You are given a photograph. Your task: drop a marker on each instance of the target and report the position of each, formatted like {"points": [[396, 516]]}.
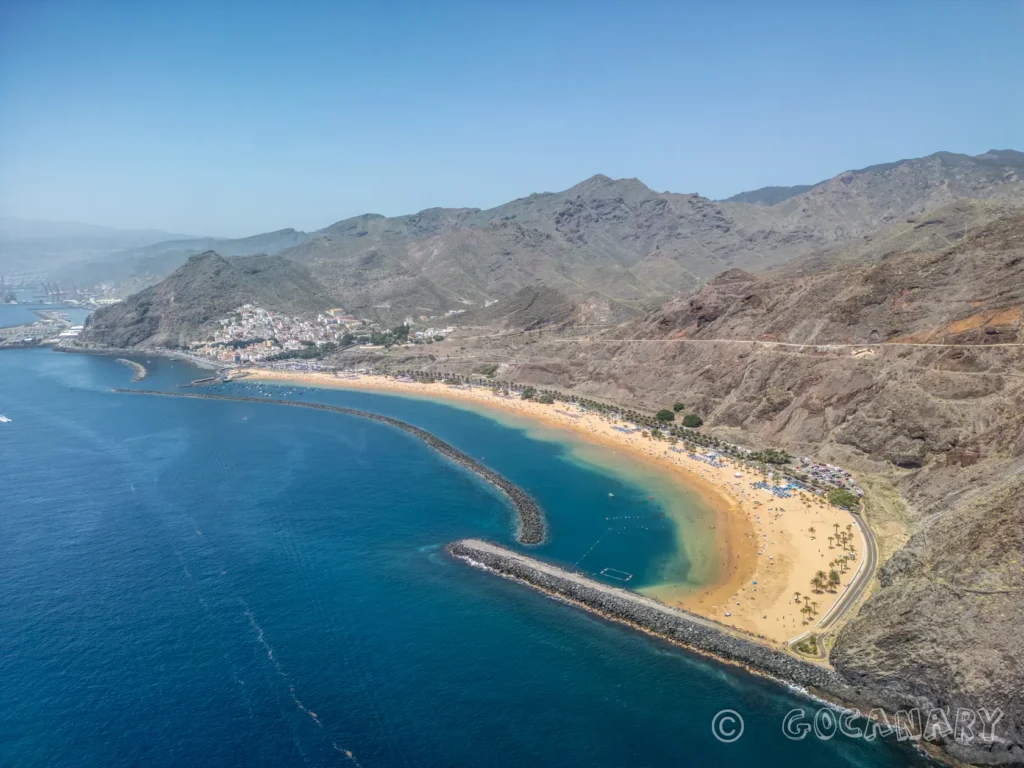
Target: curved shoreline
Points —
{"points": [[531, 528], [757, 552]]}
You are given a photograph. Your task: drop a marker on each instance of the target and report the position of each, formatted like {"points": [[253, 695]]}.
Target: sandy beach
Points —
{"points": [[765, 549]]}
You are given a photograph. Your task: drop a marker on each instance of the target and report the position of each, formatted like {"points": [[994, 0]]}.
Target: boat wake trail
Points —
{"points": [[262, 640]]}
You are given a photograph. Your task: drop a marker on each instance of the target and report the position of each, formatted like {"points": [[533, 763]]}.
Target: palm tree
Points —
{"points": [[833, 579], [830, 542], [811, 531]]}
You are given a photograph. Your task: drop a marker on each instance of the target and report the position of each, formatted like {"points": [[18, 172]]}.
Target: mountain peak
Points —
{"points": [[205, 255], [600, 181]]}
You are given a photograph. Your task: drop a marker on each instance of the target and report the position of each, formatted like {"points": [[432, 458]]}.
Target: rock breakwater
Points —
{"points": [[649, 615], [138, 370], [531, 527]]}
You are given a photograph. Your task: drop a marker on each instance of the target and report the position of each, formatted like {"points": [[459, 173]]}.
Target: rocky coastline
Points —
{"points": [[531, 525]]}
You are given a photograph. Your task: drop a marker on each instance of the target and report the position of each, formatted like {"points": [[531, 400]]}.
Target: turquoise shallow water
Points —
{"points": [[188, 583]]}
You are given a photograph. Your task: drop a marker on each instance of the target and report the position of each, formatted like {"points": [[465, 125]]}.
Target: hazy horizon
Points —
{"points": [[234, 121]]}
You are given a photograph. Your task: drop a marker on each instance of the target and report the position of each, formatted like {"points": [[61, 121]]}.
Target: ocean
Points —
{"points": [[25, 311], [195, 583]]}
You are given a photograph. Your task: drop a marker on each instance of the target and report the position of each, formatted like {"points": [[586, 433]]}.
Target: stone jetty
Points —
{"points": [[531, 524], [138, 369], [656, 618]]}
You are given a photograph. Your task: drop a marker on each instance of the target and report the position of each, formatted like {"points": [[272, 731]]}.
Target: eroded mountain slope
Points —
{"points": [[206, 288], [907, 368]]}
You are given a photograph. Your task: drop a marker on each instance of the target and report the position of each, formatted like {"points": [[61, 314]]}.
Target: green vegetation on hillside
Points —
{"points": [[771, 456], [839, 497], [397, 335], [308, 352]]}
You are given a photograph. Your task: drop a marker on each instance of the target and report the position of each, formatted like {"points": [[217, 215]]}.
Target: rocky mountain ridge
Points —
{"points": [[138, 268], [621, 239], [187, 305], [963, 293], [613, 238]]}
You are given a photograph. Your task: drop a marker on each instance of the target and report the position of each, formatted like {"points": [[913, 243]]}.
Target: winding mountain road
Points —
{"points": [[762, 342]]}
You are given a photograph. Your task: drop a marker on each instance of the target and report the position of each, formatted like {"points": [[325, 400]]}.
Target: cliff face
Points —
{"points": [[188, 304], [946, 627]]}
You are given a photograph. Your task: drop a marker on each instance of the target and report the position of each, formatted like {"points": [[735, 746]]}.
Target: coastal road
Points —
{"points": [[860, 581], [760, 342]]}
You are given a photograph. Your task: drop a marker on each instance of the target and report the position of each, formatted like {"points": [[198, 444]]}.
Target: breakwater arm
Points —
{"points": [[531, 524], [650, 616], [138, 369]]}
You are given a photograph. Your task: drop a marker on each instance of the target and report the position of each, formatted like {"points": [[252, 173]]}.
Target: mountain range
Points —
{"points": [[36, 245], [616, 239]]}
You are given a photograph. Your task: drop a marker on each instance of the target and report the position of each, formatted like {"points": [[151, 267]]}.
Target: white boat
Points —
{"points": [[4, 419]]}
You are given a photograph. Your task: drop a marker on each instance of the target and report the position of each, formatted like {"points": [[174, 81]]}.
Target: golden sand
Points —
{"points": [[764, 550]]}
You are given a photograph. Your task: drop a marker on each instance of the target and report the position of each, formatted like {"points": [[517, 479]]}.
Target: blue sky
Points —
{"points": [[237, 118]]}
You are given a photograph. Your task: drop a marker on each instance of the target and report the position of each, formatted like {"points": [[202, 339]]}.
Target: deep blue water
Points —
{"points": [[189, 583]]}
